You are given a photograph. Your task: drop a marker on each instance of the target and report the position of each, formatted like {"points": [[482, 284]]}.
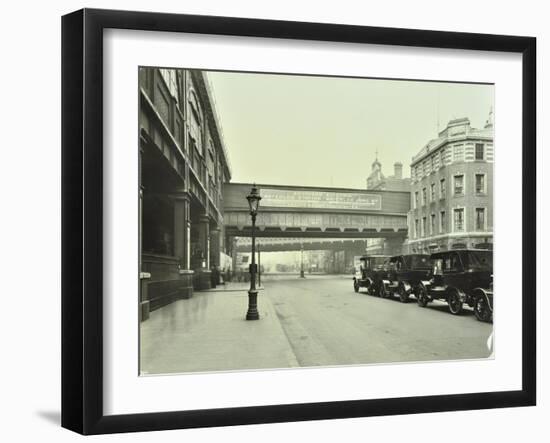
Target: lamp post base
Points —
{"points": [[302, 274], [252, 313]]}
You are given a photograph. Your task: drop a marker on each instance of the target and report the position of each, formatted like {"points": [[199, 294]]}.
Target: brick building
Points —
{"points": [[452, 190], [183, 165]]}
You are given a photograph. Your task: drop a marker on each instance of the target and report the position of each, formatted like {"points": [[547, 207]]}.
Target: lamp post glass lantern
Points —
{"points": [[253, 203]]}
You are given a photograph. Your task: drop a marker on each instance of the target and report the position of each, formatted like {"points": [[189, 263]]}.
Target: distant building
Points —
{"points": [[378, 181], [452, 190]]}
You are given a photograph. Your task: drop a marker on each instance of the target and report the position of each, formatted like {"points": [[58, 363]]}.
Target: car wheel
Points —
{"points": [[482, 310], [356, 286], [403, 295], [455, 305], [369, 289], [421, 297]]}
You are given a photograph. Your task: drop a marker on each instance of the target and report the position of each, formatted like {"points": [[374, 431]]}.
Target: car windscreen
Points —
{"points": [[377, 262], [420, 262], [479, 260]]}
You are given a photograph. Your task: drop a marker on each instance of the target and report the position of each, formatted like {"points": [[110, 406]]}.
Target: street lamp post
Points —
{"points": [[259, 268], [302, 275], [253, 203]]}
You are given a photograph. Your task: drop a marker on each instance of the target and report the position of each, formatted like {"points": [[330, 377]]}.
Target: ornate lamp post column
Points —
{"points": [[259, 268], [302, 261], [254, 203]]}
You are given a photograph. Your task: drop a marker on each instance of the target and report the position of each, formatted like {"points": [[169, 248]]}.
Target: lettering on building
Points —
{"points": [[282, 198]]}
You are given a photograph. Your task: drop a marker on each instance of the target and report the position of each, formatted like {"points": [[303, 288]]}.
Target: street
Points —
{"points": [[328, 324], [316, 321]]}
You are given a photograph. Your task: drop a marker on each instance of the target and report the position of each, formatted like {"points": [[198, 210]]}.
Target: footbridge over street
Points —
{"points": [[273, 244], [317, 212]]}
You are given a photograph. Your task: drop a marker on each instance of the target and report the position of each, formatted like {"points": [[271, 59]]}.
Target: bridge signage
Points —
{"points": [[287, 198]]}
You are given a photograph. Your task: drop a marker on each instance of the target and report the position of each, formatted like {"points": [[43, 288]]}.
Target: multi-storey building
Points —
{"points": [[183, 165], [452, 190]]}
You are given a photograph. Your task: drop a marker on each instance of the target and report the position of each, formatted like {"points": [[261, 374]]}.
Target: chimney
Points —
{"points": [[398, 170]]}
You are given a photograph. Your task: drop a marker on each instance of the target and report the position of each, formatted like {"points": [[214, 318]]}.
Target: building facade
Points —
{"points": [[183, 166], [378, 181], [452, 190]]}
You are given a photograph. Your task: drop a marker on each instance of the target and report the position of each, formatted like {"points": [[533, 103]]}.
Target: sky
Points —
{"points": [[323, 131]]}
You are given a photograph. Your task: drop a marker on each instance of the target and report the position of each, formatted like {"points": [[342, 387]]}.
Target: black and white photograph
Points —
{"points": [[276, 221], [297, 221]]}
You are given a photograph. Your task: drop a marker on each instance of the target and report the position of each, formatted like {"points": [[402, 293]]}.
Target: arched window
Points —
{"points": [[169, 76]]}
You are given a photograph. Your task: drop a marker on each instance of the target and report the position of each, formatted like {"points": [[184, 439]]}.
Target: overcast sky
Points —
{"points": [[322, 131]]}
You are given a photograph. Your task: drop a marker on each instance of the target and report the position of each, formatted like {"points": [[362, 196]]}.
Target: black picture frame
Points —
{"points": [[82, 215]]}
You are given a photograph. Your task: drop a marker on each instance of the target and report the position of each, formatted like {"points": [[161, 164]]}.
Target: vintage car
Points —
{"points": [[405, 273], [461, 276], [372, 270]]}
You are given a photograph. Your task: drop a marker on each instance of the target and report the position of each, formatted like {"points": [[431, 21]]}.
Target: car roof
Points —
{"points": [[461, 250], [374, 256], [410, 255]]}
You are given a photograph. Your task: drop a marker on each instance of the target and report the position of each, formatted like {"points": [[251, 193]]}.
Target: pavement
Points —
{"points": [[208, 332], [316, 321], [233, 287]]}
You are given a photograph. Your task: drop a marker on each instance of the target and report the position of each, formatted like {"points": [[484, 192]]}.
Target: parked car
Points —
{"points": [[372, 270], [461, 276], [405, 274]]}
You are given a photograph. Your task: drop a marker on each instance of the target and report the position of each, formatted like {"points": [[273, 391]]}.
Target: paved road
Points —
{"points": [[327, 323], [316, 321]]}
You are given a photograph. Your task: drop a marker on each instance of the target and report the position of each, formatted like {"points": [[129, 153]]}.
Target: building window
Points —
{"points": [[459, 185], [423, 196], [480, 219], [169, 77], [459, 220], [415, 201], [480, 151], [432, 192], [442, 188], [442, 222], [195, 122], [423, 226], [416, 233], [480, 184], [432, 224]]}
